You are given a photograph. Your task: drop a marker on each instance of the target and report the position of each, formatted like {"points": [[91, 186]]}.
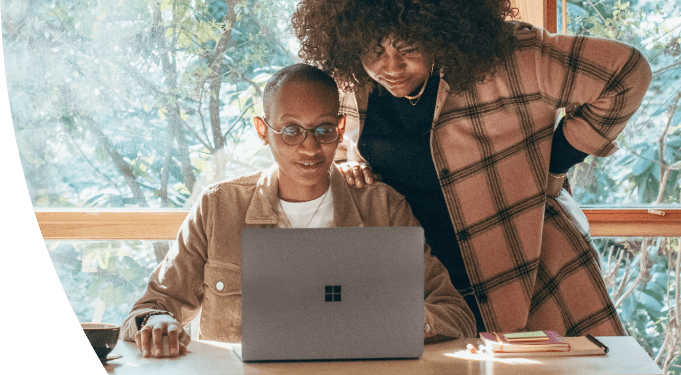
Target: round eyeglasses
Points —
{"points": [[295, 134]]}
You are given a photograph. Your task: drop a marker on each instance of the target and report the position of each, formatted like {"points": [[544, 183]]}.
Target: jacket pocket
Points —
{"points": [[221, 308], [574, 212], [223, 279], [573, 221]]}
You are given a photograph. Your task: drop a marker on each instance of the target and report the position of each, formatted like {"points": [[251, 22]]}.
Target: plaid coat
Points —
{"points": [[530, 259]]}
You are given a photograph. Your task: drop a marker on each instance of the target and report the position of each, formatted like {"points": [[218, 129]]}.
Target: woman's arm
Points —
{"points": [[447, 313], [356, 170], [600, 83]]}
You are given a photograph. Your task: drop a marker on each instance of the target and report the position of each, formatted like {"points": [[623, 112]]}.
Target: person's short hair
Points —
{"points": [[294, 73]]}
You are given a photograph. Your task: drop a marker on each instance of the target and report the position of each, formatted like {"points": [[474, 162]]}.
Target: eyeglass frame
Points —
{"points": [[338, 133]]}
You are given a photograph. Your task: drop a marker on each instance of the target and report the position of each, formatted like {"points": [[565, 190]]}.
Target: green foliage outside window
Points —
{"points": [[110, 274], [642, 275], [640, 173], [132, 103]]}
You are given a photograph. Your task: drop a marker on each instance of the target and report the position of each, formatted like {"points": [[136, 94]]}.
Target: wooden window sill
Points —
{"points": [[163, 225]]}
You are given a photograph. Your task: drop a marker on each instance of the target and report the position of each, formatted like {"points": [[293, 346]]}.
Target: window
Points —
{"points": [[138, 103], [642, 274], [124, 110], [132, 106]]}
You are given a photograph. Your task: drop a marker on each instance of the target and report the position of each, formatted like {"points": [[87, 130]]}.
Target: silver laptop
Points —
{"points": [[332, 293]]}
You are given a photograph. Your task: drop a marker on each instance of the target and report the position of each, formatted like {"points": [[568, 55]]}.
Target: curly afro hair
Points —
{"points": [[466, 38]]}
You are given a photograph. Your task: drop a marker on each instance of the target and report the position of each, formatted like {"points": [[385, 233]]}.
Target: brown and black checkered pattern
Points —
{"points": [[530, 259]]}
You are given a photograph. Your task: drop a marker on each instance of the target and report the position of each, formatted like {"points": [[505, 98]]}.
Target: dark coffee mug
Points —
{"points": [[103, 337]]}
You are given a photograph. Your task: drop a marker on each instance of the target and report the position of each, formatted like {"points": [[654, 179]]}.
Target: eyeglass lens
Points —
{"points": [[294, 134]]}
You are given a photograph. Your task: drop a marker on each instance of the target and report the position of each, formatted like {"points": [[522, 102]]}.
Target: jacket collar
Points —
{"points": [[263, 207]]}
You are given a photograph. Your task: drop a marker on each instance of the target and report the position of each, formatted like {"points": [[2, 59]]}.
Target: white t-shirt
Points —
{"points": [[317, 213]]}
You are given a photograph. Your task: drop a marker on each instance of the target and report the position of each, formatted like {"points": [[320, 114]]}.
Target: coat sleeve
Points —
{"points": [[347, 151], [447, 313], [176, 284], [600, 83]]}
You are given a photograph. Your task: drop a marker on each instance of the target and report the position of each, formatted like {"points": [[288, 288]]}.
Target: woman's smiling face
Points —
{"points": [[399, 67]]}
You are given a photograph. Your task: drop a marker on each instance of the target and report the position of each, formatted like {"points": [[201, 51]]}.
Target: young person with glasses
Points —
{"points": [[302, 126]]}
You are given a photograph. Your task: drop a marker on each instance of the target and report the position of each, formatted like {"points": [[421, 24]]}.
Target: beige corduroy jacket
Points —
{"points": [[207, 252]]}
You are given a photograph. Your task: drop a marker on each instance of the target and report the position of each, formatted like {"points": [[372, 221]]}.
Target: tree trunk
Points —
{"points": [[121, 165], [215, 78]]}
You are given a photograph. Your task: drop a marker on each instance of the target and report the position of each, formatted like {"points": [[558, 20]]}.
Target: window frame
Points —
{"points": [[164, 225]]}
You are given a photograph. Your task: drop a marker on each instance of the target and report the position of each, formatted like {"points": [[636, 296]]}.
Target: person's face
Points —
{"points": [[303, 168], [400, 68]]}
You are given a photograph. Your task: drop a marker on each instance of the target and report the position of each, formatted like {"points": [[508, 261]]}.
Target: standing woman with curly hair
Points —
{"points": [[456, 107]]}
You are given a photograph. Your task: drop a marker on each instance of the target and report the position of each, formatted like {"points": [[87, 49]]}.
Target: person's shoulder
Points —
{"points": [[377, 190], [236, 183], [381, 203], [246, 179]]}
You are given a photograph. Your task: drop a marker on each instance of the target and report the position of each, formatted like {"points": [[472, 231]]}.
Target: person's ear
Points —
{"points": [[341, 128], [261, 128]]}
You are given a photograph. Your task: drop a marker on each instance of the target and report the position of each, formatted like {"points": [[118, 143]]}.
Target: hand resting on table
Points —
{"points": [[150, 337]]}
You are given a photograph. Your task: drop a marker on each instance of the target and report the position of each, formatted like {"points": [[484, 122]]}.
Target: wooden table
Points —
{"points": [[449, 357]]}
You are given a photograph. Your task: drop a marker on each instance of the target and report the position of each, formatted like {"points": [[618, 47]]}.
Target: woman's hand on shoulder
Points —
{"points": [[160, 331], [357, 174]]}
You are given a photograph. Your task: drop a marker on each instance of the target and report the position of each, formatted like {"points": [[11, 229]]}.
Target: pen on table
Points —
{"points": [[597, 342]]}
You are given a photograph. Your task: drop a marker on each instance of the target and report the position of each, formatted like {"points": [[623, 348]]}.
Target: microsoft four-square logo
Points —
{"points": [[332, 293]]}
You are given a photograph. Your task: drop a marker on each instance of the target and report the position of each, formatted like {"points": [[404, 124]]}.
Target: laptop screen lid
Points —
{"points": [[332, 293]]}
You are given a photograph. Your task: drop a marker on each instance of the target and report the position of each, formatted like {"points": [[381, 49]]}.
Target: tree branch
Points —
{"points": [[677, 288], [600, 15], [643, 274], [87, 160], [169, 66], [664, 167], [661, 70], [121, 165], [215, 78]]}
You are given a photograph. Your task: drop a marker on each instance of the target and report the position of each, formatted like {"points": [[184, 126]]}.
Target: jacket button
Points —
{"points": [[444, 172], [482, 297], [220, 285]]}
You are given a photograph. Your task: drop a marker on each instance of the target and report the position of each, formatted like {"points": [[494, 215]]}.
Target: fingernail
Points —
{"points": [[173, 351], [145, 353], [157, 353]]}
